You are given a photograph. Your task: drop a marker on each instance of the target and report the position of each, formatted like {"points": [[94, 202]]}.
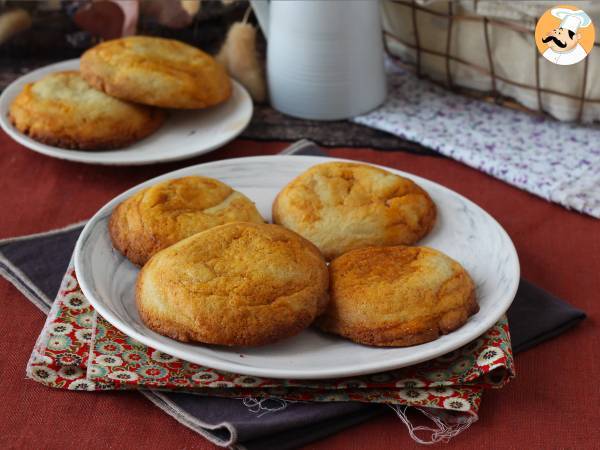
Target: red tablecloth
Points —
{"points": [[551, 404]]}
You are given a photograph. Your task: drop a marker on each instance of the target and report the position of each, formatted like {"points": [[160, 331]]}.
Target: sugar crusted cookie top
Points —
{"points": [[342, 206], [156, 71], [397, 296], [62, 109], [172, 210], [236, 284]]}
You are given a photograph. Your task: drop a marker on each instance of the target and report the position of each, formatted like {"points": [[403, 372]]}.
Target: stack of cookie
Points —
{"points": [[115, 98], [214, 272]]}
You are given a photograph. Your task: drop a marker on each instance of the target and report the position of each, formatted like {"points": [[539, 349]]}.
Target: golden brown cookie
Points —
{"points": [[237, 284], [62, 110], [156, 71], [341, 206], [172, 210], [397, 296]]}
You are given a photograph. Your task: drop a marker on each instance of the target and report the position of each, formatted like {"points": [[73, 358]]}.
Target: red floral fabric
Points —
{"points": [[79, 350]]}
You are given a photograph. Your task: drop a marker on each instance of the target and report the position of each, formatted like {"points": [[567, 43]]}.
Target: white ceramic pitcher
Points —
{"points": [[324, 57]]}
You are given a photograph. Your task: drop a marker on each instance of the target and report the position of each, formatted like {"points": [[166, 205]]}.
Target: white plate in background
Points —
{"points": [[185, 133]]}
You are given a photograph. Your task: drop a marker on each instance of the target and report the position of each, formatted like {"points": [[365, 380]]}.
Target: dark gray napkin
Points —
{"points": [[36, 264]]}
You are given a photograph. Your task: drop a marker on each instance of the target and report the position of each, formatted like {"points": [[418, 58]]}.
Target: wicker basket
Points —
{"points": [[488, 49]]}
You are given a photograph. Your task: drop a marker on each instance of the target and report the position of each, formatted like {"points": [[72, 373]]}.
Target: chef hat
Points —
{"points": [[571, 20]]}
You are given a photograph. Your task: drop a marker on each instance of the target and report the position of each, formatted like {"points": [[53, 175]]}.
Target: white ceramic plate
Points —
{"points": [[463, 230], [183, 135]]}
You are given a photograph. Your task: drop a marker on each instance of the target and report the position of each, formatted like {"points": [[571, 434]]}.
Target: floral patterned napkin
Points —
{"points": [[79, 350]]}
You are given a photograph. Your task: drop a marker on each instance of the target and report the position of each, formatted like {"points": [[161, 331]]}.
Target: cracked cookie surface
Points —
{"points": [[237, 284], [62, 110], [397, 296], [172, 210], [156, 71], [342, 206]]}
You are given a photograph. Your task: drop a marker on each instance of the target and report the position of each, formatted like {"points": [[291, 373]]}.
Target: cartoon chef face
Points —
{"points": [[561, 39], [566, 37]]}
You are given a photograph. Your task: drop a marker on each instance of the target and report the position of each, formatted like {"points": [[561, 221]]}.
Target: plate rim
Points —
{"points": [[283, 373], [94, 157]]}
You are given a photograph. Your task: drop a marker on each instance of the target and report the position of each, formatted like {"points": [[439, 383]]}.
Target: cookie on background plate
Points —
{"points": [[62, 110], [157, 72], [172, 210], [397, 296], [341, 206], [239, 284]]}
